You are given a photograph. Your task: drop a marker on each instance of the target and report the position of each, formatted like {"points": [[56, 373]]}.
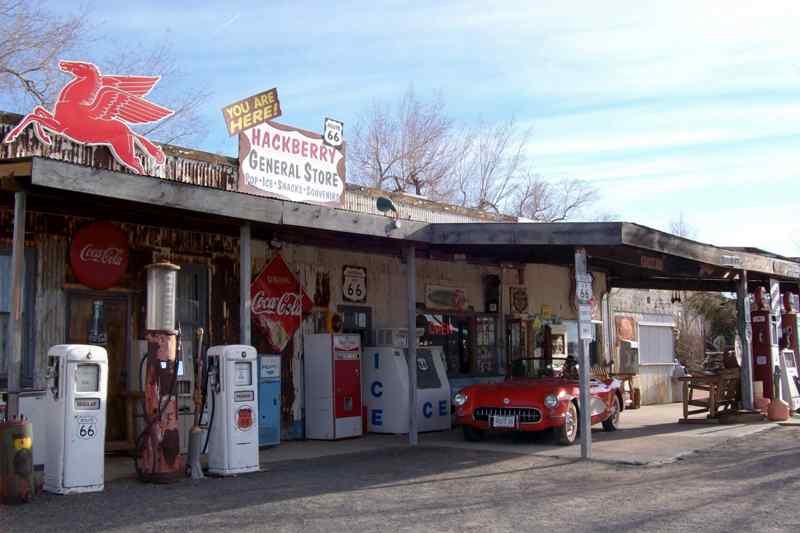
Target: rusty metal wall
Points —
{"points": [[51, 322]]}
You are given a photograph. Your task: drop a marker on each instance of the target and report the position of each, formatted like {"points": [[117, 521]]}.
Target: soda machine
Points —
{"points": [[332, 386], [765, 340], [232, 428], [77, 379], [269, 400], [386, 389]]}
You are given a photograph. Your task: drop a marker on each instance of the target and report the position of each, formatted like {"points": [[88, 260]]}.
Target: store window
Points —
{"points": [[469, 342], [656, 344], [596, 352]]}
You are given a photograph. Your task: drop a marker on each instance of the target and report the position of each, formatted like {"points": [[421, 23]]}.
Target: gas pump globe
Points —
{"points": [[162, 281]]}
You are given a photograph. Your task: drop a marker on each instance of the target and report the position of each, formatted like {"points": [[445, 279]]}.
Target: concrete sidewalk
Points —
{"points": [[650, 435], [647, 436]]}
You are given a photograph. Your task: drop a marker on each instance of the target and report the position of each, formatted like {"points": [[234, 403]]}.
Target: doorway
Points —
{"points": [[103, 320], [357, 319]]}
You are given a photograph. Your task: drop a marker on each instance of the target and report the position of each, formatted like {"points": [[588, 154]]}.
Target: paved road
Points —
{"points": [[744, 485]]}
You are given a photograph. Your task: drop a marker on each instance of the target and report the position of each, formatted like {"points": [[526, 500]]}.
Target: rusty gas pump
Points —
{"points": [[158, 458]]}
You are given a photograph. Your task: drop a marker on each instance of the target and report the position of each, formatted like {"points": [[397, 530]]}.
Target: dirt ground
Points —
{"points": [[744, 484]]}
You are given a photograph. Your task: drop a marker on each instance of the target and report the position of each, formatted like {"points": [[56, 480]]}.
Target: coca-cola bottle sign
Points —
{"points": [[99, 255], [278, 303]]}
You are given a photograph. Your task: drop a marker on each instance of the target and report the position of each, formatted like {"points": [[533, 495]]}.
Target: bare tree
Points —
{"points": [[488, 172], [33, 39], [552, 201], [406, 148], [31, 43]]}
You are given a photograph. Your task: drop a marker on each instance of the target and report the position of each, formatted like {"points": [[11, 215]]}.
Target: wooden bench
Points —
{"points": [[722, 395]]}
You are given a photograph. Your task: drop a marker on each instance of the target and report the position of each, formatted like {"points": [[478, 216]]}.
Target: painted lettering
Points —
{"points": [[427, 409], [377, 417], [377, 389]]}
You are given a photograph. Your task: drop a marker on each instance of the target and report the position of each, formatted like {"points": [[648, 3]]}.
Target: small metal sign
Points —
{"points": [[333, 132], [519, 299], [354, 284]]}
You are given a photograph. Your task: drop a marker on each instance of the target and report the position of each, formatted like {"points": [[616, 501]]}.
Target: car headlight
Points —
{"points": [[551, 400], [460, 399]]}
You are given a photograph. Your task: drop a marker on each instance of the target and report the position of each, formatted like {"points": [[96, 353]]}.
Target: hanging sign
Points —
{"points": [[518, 299], [99, 110], [333, 134], [278, 303], [99, 255], [252, 111], [438, 297], [354, 284], [290, 164]]}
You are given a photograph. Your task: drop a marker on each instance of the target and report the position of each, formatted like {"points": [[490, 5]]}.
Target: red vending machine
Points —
{"points": [[765, 341], [332, 369]]}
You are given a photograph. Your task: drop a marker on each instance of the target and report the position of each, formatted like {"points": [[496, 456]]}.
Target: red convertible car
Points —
{"points": [[536, 397]]}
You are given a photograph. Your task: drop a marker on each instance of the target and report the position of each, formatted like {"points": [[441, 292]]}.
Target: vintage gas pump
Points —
{"points": [[789, 339], [233, 425], [158, 457], [765, 341], [77, 381]]}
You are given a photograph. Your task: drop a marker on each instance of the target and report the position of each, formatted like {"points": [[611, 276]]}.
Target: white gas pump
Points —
{"points": [[233, 425], [76, 427]]}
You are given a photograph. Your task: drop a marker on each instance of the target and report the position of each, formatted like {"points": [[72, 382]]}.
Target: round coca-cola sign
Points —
{"points": [[99, 255]]}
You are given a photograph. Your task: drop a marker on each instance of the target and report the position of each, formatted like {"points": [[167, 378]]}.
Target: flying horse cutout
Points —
{"points": [[98, 110]]}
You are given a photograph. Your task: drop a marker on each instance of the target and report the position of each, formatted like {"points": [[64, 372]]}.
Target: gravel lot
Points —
{"points": [[743, 485]]}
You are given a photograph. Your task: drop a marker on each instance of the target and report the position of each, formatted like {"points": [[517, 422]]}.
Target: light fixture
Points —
{"points": [[384, 205], [275, 244]]}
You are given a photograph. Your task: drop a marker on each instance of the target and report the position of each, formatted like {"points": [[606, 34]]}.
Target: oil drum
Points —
{"points": [[16, 462]]}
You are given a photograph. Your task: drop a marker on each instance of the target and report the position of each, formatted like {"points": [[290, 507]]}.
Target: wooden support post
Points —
{"points": [[411, 279], [746, 337], [501, 337], [583, 294], [244, 284], [14, 343]]}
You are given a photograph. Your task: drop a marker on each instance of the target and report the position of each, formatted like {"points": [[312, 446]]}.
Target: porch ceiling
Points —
{"points": [[633, 256]]}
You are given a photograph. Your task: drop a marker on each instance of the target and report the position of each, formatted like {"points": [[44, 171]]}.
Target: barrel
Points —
{"points": [[16, 462]]}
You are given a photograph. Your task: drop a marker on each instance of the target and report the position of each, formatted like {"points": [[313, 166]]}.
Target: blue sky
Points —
{"points": [[667, 107]]}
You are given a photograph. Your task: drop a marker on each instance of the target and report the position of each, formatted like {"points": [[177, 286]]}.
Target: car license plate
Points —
{"points": [[504, 421]]}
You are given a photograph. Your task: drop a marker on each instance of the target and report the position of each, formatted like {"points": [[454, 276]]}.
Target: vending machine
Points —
{"points": [[269, 400], [77, 381], [765, 341], [233, 393], [386, 389], [332, 386]]}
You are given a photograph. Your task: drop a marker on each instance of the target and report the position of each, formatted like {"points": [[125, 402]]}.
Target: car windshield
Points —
{"points": [[540, 367]]}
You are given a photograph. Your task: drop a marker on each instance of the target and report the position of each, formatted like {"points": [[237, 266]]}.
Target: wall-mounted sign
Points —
{"points": [[518, 298], [333, 133], [354, 284], [438, 297], [252, 111], [98, 110], [291, 164], [653, 263], [278, 303], [99, 255]]}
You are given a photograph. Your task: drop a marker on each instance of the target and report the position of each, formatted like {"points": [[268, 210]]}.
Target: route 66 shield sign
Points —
{"points": [[354, 284], [333, 135]]}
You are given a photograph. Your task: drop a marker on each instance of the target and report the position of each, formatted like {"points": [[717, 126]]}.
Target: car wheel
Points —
{"points": [[612, 422], [472, 434], [568, 432]]}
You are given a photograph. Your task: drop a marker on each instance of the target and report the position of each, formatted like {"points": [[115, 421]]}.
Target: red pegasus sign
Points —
{"points": [[278, 303], [98, 110]]}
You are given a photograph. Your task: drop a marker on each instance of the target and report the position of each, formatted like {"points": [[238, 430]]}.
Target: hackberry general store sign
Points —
{"points": [[292, 164]]}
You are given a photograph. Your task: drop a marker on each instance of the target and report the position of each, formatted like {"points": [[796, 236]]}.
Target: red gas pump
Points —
{"points": [[765, 342]]}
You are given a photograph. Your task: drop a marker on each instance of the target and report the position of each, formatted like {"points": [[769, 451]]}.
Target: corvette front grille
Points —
{"points": [[525, 415]]}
